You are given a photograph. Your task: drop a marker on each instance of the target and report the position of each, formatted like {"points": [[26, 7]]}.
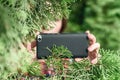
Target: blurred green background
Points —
{"points": [[19, 18], [101, 17]]}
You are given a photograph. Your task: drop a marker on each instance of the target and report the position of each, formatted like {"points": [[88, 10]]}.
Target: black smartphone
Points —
{"points": [[76, 43]]}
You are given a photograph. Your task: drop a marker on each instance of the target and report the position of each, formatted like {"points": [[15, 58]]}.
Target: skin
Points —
{"points": [[93, 48]]}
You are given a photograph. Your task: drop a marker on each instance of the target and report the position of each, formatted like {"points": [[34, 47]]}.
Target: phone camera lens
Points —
{"points": [[39, 38]]}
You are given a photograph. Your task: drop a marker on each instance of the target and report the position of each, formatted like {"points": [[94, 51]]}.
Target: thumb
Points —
{"points": [[78, 59]]}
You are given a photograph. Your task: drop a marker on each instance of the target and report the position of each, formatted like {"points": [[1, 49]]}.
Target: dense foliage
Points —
{"points": [[19, 20], [108, 68]]}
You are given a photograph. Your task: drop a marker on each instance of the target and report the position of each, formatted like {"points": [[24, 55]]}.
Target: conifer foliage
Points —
{"points": [[19, 20]]}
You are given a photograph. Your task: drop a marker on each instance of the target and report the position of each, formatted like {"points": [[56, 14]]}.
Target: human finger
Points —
{"points": [[91, 38], [78, 59], [93, 47]]}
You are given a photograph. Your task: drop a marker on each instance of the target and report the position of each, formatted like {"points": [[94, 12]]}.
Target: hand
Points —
{"points": [[93, 49], [30, 45]]}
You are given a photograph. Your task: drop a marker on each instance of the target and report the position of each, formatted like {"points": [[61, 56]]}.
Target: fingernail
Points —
{"points": [[87, 31]]}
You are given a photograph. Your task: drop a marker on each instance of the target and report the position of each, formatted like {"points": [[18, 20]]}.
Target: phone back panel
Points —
{"points": [[76, 43]]}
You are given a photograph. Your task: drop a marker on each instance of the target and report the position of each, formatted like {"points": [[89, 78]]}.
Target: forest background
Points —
{"points": [[19, 19]]}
